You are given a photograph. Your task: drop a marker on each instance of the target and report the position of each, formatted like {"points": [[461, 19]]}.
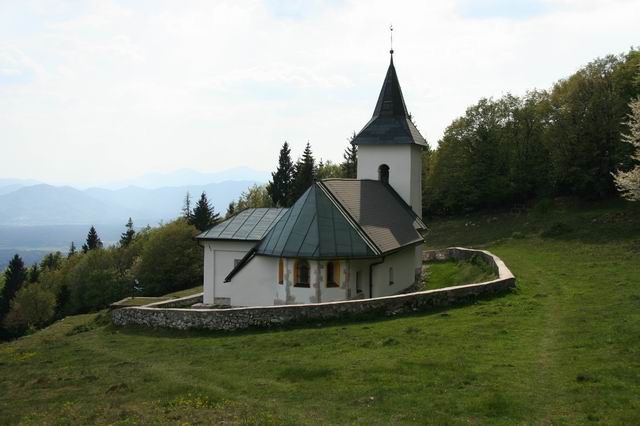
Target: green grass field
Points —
{"points": [[450, 273], [139, 301], [564, 348]]}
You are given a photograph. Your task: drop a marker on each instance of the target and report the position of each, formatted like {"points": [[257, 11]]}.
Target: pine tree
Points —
{"points": [[34, 273], [72, 249], [127, 236], [231, 210], [350, 164], [280, 188], [186, 208], [14, 277], [203, 216], [93, 241], [304, 173], [51, 261]]}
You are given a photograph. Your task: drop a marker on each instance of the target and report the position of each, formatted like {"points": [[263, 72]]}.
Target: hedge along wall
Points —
{"points": [[168, 315]]}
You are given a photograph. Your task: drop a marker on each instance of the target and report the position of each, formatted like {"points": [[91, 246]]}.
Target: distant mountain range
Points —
{"points": [[36, 218], [189, 177], [62, 205]]}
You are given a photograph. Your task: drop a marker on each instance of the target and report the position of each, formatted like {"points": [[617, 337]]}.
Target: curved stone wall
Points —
{"points": [[168, 315]]}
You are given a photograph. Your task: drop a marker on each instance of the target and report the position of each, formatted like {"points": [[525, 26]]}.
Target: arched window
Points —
{"points": [[333, 274], [391, 275], [301, 273], [281, 271], [383, 173]]}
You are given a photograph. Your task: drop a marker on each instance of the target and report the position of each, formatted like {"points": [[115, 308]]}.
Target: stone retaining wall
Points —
{"points": [[170, 315]]}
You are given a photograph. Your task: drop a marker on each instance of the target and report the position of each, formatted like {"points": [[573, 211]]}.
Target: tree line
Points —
{"points": [[290, 180], [565, 141], [147, 262]]}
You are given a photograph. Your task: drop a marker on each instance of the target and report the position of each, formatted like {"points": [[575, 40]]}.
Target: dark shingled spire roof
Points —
{"points": [[390, 123]]}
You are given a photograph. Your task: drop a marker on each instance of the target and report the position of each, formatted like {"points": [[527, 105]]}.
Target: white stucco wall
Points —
{"points": [[257, 283], [405, 169], [253, 285], [219, 259]]}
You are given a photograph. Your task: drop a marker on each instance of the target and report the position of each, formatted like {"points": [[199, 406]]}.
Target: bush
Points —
{"points": [[32, 307], [95, 281], [170, 261]]}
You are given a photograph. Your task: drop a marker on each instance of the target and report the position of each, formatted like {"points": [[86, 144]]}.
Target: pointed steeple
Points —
{"points": [[390, 123]]}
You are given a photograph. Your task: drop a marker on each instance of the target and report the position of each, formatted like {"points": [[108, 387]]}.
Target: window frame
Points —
{"points": [[281, 271], [302, 263], [332, 280]]}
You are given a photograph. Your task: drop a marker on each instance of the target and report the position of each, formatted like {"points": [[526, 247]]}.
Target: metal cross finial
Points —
{"points": [[391, 33]]}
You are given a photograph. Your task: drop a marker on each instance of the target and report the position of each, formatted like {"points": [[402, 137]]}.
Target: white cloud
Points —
{"points": [[116, 89]]}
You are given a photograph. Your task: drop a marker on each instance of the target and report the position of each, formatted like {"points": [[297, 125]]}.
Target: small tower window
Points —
{"points": [[301, 273], [383, 173]]}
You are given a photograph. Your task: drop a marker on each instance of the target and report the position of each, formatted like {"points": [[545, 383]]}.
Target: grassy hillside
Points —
{"points": [[564, 348]]}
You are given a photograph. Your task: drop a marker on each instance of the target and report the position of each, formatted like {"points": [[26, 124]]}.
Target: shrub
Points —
{"points": [[33, 307], [96, 281], [170, 260]]}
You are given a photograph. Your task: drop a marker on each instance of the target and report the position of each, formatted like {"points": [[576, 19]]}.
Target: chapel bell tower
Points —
{"points": [[390, 146]]}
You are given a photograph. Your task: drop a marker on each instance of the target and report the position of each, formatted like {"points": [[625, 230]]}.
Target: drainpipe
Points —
{"points": [[371, 276]]}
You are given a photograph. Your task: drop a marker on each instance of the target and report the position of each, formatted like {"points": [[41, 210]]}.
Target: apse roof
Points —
{"points": [[314, 227]]}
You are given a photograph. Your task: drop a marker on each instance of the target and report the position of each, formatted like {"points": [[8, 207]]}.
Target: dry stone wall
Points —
{"points": [[172, 314]]}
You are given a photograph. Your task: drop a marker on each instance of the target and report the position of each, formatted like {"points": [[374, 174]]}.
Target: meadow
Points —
{"points": [[564, 348]]}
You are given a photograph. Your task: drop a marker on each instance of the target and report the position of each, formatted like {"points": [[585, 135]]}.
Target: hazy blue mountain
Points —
{"points": [[9, 185], [56, 205], [63, 205], [185, 177], [38, 219], [18, 182], [153, 205]]}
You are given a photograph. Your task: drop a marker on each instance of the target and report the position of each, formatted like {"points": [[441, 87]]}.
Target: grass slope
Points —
{"points": [[564, 348], [447, 274]]}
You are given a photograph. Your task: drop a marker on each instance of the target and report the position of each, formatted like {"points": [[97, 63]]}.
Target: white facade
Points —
{"points": [[257, 283], [405, 169]]}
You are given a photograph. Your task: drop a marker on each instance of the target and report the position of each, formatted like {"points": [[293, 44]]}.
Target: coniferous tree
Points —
{"points": [[14, 277], [127, 236], [93, 241], [186, 207], [280, 188], [34, 273], [203, 216], [231, 210], [350, 164], [72, 249], [304, 173], [51, 261]]}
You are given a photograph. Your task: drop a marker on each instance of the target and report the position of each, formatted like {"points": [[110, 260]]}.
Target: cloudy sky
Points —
{"points": [[95, 91]]}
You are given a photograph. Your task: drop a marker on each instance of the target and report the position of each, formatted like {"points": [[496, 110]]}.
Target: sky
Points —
{"points": [[97, 91]]}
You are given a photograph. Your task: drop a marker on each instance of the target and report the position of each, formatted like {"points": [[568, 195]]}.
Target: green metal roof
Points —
{"points": [[248, 225], [314, 227]]}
